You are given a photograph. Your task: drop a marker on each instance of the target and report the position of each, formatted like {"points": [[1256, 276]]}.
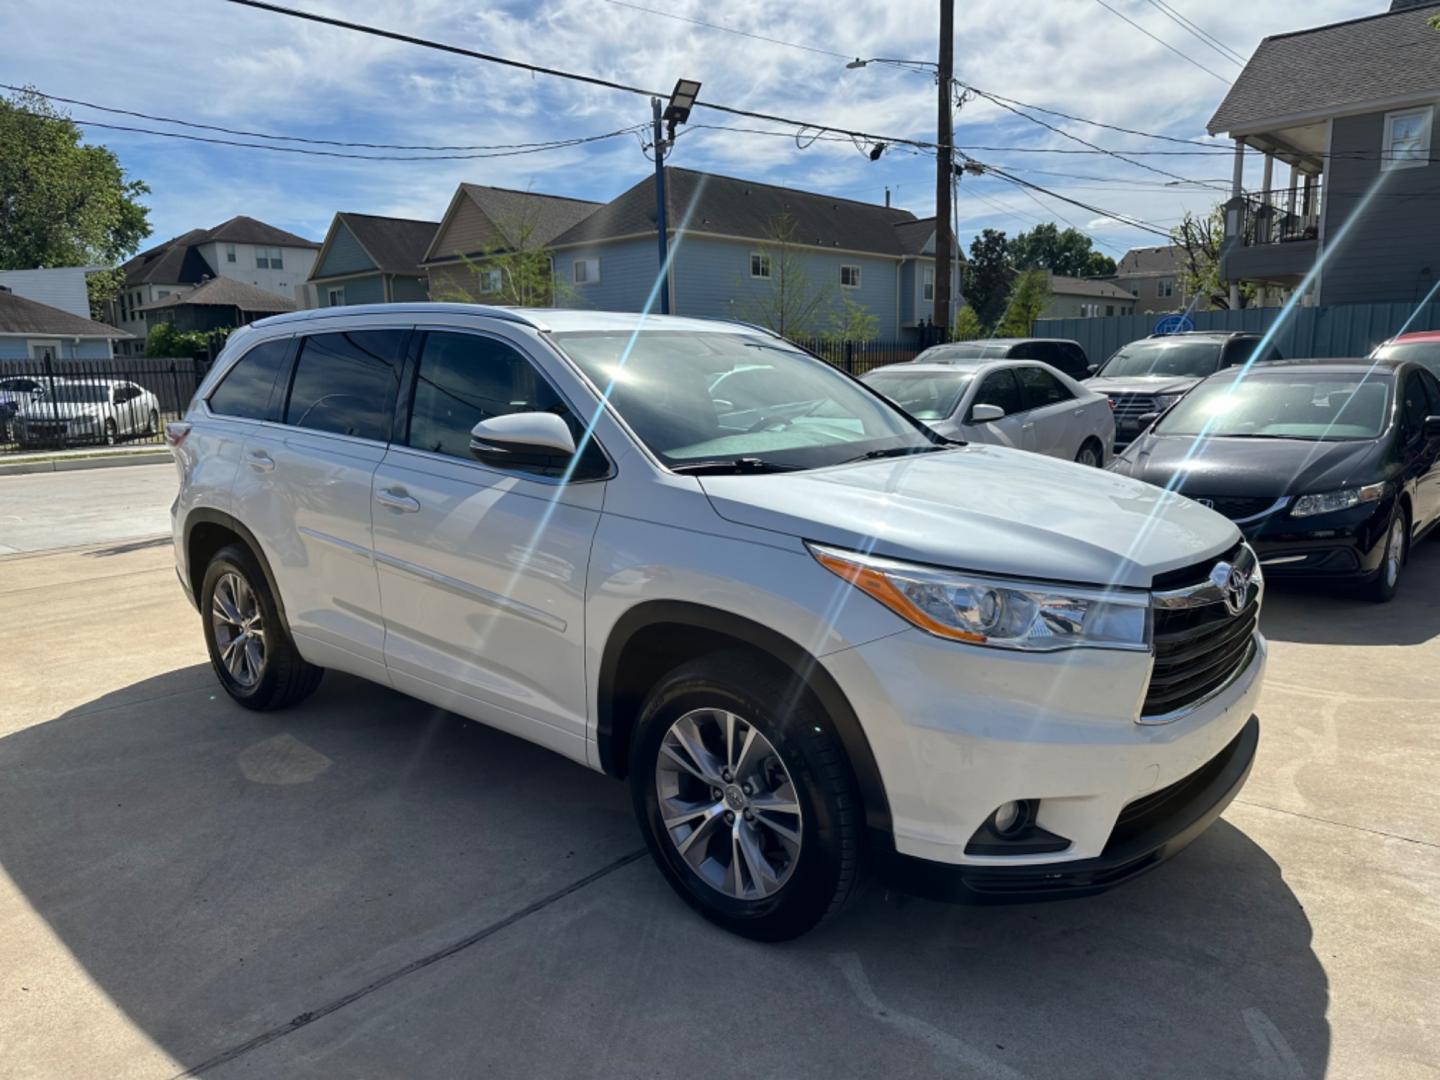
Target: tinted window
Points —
{"points": [[1040, 388], [20, 386], [1414, 407], [346, 383], [466, 378], [1241, 350], [1432, 387], [1294, 404], [245, 389], [1164, 356], [1000, 388], [1422, 352], [1075, 363]]}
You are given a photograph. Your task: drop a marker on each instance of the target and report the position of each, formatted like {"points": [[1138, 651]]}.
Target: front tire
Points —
{"points": [[1090, 454], [1383, 586], [745, 797], [250, 647]]}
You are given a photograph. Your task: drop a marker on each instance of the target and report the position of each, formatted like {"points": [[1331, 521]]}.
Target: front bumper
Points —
{"points": [[1347, 544]]}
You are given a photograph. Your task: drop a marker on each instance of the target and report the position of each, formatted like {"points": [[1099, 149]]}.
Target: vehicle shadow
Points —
{"points": [[219, 874], [1316, 613]]}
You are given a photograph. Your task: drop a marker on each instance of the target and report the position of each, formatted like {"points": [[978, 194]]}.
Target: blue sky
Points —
{"points": [[212, 62]]}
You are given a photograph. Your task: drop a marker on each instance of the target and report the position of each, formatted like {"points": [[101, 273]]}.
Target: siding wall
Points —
{"points": [[297, 265], [1384, 258], [18, 348], [362, 290], [627, 276], [60, 287], [1062, 306], [345, 256], [403, 288], [468, 231]]}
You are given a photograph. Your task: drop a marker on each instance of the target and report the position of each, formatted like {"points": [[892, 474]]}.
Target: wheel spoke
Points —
{"points": [[688, 736], [685, 763], [700, 831], [747, 756], [687, 812], [255, 656], [756, 864]]}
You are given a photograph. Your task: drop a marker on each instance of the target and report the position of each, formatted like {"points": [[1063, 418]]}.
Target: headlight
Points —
{"points": [[1164, 401], [1330, 501], [1032, 616]]}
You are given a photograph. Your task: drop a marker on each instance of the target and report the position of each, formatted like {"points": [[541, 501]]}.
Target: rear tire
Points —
{"points": [[250, 646], [153, 424], [729, 849], [1091, 454], [1383, 586]]}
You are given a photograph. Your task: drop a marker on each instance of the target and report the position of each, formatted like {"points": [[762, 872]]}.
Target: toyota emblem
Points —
{"points": [[1233, 584], [1209, 504]]}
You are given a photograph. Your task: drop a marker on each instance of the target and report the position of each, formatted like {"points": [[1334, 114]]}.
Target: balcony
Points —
{"points": [[1272, 237]]}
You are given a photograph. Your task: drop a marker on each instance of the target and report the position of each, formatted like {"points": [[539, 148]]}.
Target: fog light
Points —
{"points": [[1008, 817]]}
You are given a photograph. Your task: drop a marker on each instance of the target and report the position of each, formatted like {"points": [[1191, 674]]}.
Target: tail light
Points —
{"points": [[175, 432]]}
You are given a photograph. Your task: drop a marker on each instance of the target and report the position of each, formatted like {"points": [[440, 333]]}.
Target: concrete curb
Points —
{"points": [[99, 461]]}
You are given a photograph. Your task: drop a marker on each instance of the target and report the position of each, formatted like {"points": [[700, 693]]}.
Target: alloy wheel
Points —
{"points": [[239, 628], [728, 804], [1087, 456]]}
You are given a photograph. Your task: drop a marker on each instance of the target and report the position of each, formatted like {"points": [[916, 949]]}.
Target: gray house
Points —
{"points": [[1086, 298], [1154, 276], [217, 304], [1348, 111], [732, 244], [367, 259]]}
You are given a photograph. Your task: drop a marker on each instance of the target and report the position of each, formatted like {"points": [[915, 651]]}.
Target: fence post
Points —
{"points": [[50, 389], [849, 356]]}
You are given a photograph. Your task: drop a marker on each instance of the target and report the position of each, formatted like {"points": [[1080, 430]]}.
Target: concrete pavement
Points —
{"points": [[43, 511], [366, 886]]}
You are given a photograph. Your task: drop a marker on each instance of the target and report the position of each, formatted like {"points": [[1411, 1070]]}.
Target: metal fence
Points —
{"points": [[858, 357], [60, 404]]}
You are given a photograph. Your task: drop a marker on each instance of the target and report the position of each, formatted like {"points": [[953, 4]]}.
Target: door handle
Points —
{"points": [[260, 461], [397, 500], [1027, 426]]}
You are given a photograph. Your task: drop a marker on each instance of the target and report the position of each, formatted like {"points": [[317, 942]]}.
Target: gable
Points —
{"points": [[465, 231], [343, 253]]}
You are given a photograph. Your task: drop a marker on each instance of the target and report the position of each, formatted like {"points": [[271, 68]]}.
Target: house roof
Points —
{"points": [[1073, 286], [395, 245], [178, 260], [915, 236], [1394, 54], [21, 316], [521, 218], [227, 292], [726, 206], [1165, 259]]}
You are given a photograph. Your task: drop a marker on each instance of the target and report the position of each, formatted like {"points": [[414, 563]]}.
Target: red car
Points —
{"points": [[1423, 347]]}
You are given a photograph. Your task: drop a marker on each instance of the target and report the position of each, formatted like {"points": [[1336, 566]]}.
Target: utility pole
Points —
{"points": [[944, 169], [661, 227]]}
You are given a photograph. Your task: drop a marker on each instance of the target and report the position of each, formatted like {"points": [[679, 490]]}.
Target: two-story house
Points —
{"points": [[1348, 111], [749, 251], [1086, 298], [241, 249], [1155, 277], [368, 259]]}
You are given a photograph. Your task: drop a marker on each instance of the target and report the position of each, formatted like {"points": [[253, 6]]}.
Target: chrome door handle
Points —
{"points": [[397, 501], [260, 461]]}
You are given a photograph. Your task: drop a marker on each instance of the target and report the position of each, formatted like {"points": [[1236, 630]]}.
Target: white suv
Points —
{"points": [[815, 636]]}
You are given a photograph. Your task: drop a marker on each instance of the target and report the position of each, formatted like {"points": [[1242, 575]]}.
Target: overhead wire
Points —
{"points": [[1155, 37], [1200, 32]]}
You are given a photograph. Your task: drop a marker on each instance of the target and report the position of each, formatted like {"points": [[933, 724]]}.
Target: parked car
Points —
{"points": [[1016, 403], [16, 392], [1059, 353], [1422, 346], [1150, 375], [812, 640], [87, 411], [1331, 468]]}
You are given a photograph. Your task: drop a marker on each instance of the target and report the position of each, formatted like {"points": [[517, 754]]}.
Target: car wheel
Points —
{"points": [[111, 434], [153, 424], [1382, 587], [250, 647], [745, 797], [1090, 454]]}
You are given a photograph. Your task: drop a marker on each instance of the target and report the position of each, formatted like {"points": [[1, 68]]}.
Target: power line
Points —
{"points": [[1196, 34], [1183, 56], [1135, 223], [1204, 34], [997, 98]]}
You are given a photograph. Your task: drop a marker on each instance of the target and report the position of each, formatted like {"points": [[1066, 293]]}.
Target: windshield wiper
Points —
{"points": [[724, 466], [899, 451]]}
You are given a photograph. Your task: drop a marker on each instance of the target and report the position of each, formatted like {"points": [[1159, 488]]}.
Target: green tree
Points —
{"points": [[164, 340], [103, 286], [1028, 297], [1200, 240], [967, 325], [515, 269], [852, 321], [62, 202], [987, 280], [785, 299], [1069, 253]]}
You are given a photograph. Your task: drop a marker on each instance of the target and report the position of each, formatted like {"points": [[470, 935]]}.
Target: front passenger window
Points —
{"points": [[1000, 388]]}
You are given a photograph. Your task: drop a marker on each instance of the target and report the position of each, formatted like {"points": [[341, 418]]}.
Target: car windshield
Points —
{"points": [[925, 395], [79, 392], [714, 396], [1289, 406], [1425, 353], [1194, 359], [967, 350]]}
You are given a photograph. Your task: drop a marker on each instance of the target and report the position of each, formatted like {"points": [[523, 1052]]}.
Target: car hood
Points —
{"points": [[1142, 384], [1254, 467], [65, 410], [984, 508]]}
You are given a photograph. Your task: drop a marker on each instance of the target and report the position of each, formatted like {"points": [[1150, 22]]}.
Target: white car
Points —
{"points": [[73, 411], [814, 638], [16, 392], [1022, 404]]}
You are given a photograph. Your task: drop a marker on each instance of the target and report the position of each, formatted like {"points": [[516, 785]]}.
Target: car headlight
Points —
{"points": [[1164, 401], [1031, 616], [1330, 501]]}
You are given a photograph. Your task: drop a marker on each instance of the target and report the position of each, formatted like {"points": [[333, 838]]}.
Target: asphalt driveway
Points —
{"points": [[366, 886]]}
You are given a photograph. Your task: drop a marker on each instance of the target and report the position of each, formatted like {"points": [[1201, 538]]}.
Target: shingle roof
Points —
{"points": [[21, 316], [529, 216], [725, 206], [396, 244], [1165, 259], [178, 260], [914, 235], [1074, 286], [227, 292], [1379, 57]]}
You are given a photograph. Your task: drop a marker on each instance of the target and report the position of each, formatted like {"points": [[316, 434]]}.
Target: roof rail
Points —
{"points": [[418, 307]]}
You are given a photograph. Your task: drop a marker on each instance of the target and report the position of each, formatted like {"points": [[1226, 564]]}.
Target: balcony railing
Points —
{"points": [[1281, 216]]}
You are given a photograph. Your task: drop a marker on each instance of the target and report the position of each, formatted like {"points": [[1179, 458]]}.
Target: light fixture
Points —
{"points": [[682, 100], [856, 63], [876, 151]]}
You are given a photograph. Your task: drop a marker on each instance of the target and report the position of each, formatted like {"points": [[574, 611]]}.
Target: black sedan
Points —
{"points": [[1331, 468]]}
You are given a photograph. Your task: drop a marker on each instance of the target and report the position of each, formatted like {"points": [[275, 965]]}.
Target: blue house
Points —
{"points": [[753, 252], [367, 259], [33, 331]]}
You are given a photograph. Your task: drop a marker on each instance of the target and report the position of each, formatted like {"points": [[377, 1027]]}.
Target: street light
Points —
{"points": [[682, 100]]}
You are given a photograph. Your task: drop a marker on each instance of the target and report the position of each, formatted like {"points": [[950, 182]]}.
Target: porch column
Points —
{"points": [[1232, 216]]}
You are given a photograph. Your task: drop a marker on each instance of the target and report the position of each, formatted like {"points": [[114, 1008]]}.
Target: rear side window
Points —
{"points": [[347, 383], [1074, 361], [1000, 388], [1040, 388], [1414, 407], [245, 389]]}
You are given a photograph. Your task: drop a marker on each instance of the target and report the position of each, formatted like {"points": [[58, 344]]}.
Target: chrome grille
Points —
{"points": [[1234, 507], [1132, 406]]}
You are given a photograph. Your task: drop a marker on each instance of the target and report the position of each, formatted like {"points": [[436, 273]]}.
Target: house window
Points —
{"points": [[927, 283], [584, 271], [335, 297], [1407, 139], [229, 253], [1109, 309], [268, 257], [491, 281], [759, 264], [850, 276], [1165, 287]]}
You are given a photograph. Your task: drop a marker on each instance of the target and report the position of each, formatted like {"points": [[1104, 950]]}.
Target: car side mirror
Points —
{"points": [[1091, 370], [984, 414], [1147, 420], [520, 435], [1432, 428]]}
